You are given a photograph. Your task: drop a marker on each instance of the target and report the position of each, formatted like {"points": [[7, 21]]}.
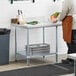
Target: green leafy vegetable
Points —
{"points": [[32, 22]]}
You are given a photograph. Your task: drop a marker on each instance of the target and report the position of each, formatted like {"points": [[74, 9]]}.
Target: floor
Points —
{"points": [[33, 62]]}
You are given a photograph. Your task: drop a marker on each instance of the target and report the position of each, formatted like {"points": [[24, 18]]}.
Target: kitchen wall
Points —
{"points": [[40, 10]]}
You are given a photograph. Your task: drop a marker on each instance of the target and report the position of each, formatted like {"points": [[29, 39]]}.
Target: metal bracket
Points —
{"points": [[33, 1], [20, 0], [54, 0]]}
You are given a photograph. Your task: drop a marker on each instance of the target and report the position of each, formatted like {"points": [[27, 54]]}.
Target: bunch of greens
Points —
{"points": [[32, 22]]}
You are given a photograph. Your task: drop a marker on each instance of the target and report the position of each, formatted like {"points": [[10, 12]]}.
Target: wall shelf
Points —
{"points": [[21, 0]]}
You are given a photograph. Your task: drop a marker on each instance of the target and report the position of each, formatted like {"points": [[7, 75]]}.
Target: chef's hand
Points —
{"points": [[53, 19]]}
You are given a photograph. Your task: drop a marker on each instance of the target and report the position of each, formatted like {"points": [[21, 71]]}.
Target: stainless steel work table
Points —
{"points": [[40, 25]]}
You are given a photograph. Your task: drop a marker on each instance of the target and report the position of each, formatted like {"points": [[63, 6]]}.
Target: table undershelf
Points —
{"points": [[23, 54]]}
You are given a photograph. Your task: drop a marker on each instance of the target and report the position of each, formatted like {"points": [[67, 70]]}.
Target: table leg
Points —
{"points": [[56, 44], [15, 44], [27, 51], [43, 39], [74, 67]]}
